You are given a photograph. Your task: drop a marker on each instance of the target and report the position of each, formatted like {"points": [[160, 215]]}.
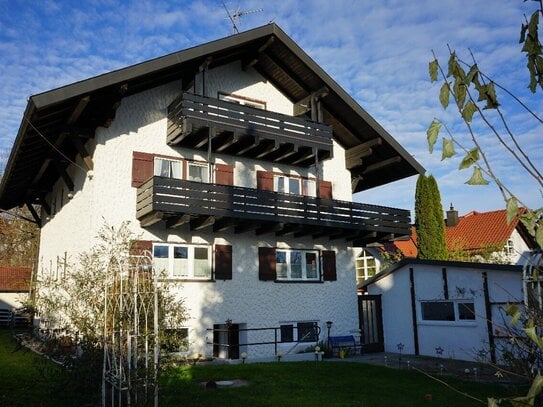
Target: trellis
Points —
{"points": [[131, 346]]}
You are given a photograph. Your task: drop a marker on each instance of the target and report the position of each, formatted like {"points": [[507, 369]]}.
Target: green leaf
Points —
{"points": [[523, 29], [448, 149], [491, 99], [432, 67], [514, 312], [539, 235], [474, 70], [471, 158], [477, 178], [493, 402], [432, 133], [512, 209], [444, 95], [532, 334], [536, 387], [451, 63], [459, 93], [468, 111], [529, 221]]}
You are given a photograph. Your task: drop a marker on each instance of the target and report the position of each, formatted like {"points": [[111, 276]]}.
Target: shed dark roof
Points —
{"points": [[438, 263], [90, 103]]}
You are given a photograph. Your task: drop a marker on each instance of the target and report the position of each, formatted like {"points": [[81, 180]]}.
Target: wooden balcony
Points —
{"points": [[178, 202], [246, 131]]}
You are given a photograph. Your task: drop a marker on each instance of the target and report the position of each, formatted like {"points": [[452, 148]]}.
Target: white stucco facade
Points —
{"points": [[105, 195], [447, 285]]}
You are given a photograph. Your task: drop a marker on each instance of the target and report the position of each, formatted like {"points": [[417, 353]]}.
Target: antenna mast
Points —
{"points": [[236, 16]]}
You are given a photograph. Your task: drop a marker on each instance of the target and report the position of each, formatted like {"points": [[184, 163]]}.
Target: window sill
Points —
{"points": [[299, 281], [449, 323], [186, 280]]}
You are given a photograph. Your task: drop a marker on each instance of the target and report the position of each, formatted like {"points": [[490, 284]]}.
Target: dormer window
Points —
{"points": [[509, 248]]}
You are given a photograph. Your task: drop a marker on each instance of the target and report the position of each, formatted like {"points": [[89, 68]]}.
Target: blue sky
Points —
{"points": [[377, 50]]}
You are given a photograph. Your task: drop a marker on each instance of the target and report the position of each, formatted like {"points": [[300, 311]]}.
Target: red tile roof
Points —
{"points": [[15, 278], [477, 230], [474, 231]]}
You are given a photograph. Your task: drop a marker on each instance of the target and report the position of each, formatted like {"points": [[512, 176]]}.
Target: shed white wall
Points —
{"points": [[11, 300], [458, 339], [106, 196]]}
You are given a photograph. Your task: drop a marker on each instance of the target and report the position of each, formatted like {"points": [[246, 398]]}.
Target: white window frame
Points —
{"points": [[169, 272], [288, 259], [157, 170], [241, 100], [300, 181], [199, 164], [456, 309], [362, 267], [509, 248]]}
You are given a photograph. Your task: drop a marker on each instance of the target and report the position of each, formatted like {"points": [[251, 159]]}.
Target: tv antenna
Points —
{"points": [[235, 17]]}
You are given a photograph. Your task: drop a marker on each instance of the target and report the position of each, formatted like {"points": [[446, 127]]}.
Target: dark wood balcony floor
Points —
{"points": [[246, 131], [177, 202]]}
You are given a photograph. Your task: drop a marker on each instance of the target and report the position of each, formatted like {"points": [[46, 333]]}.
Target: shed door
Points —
{"points": [[371, 323]]}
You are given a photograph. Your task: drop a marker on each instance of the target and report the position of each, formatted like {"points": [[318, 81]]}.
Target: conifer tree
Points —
{"points": [[429, 221]]}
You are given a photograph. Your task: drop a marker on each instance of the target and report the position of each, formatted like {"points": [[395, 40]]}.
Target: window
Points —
{"points": [[296, 264], [366, 266], [168, 168], [182, 261], [198, 172], [294, 185], [509, 248], [448, 310], [175, 340], [299, 331]]}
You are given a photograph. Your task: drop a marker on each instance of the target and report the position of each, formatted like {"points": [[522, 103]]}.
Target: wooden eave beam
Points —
{"points": [[269, 228], [266, 147], [78, 110], [288, 229], [224, 143], [382, 164], [223, 224], [288, 72], [304, 157], [150, 219], [64, 175], [353, 162], [254, 57], [246, 227], [361, 149], [202, 222], [78, 144], [33, 213], [285, 152], [177, 221], [248, 147], [44, 205]]}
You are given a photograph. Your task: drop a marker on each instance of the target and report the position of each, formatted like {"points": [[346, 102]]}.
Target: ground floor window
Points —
{"points": [[297, 264], [448, 310], [182, 261], [303, 331]]}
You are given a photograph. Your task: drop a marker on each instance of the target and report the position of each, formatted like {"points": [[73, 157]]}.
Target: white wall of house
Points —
{"points": [[520, 249], [459, 339], [106, 196]]}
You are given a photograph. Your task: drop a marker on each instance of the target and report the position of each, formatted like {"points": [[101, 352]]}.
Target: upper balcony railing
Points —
{"points": [[246, 131], [179, 201]]}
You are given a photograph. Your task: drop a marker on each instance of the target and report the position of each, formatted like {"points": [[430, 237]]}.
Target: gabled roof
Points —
{"points": [[53, 119], [477, 230], [405, 263], [15, 279], [474, 231]]}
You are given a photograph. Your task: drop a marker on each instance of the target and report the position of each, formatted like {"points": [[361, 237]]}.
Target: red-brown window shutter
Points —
{"points": [[329, 265], [224, 174], [264, 180], [325, 189], [223, 262], [139, 247], [266, 263], [142, 167]]}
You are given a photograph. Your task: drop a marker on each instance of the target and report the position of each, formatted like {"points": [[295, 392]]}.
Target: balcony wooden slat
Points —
{"points": [[179, 197], [189, 112]]}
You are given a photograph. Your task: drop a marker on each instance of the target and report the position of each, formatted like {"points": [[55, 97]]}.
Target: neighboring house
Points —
{"points": [[439, 308], [476, 236], [235, 161], [14, 286]]}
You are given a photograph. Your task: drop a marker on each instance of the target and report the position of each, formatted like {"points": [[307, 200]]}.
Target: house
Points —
{"points": [[235, 161], [443, 308], [14, 292], [476, 236]]}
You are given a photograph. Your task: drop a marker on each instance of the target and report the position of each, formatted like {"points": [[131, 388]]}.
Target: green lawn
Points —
{"points": [[27, 379], [308, 384]]}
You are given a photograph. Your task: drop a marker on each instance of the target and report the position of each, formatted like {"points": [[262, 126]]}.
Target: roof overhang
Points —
{"points": [[56, 122]]}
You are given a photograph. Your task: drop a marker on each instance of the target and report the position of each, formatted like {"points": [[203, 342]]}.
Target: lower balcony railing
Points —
{"points": [[178, 201]]}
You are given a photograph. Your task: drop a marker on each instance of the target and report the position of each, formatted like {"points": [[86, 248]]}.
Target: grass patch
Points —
{"points": [[328, 383]]}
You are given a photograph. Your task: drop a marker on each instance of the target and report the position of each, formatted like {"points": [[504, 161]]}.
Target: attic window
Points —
{"points": [[509, 248]]}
